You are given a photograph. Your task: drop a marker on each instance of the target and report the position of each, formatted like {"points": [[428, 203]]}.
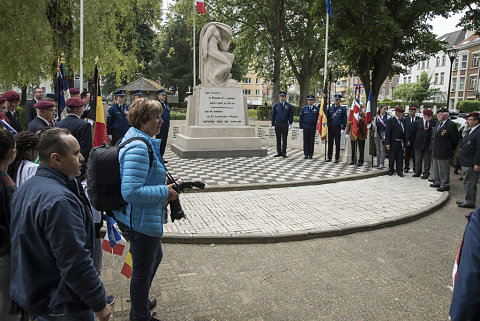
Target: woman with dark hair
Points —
{"points": [[23, 167], [144, 189], [7, 187], [379, 127]]}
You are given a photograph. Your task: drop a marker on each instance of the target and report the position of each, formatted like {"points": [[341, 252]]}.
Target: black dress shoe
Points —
{"points": [[416, 175], [305, 157], [459, 202], [336, 161], [329, 160], [310, 157], [424, 176], [435, 185], [431, 179], [165, 161], [278, 155], [466, 205], [284, 155], [351, 163], [390, 173], [443, 189], [152, 303], [400, 174], [359, 163], [406, 170]]}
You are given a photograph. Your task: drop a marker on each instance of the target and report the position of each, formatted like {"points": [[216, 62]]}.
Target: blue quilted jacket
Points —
{"points": [[142, 187]]}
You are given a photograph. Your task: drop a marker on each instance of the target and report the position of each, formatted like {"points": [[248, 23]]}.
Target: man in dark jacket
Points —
{"points": [[13, 99], [308, 124], [52, 226], [410, 129], [395, 141], [162, 98], [45, 114], [422, 136], [444, 141], [469, 159], [337, 122], [30, 111], [117, 123], [79, 128], [282, 119]]}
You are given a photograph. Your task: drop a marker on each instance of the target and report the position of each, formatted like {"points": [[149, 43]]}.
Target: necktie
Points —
{"points": [[426, 126], [400, 123], [439, 127]]}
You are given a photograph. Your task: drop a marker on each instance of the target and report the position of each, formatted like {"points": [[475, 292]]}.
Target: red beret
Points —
{"points": [[399, 110], [2, 100], [428, 112], [75, 102], [44, 104], [74, 91], [11, 95], [412, 108], [475, 115]]}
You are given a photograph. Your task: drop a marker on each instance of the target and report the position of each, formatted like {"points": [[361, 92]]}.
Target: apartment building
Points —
{"points": [[253, 88]]}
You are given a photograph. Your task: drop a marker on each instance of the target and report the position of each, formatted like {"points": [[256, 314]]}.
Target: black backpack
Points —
{"points": [[103, 176]]}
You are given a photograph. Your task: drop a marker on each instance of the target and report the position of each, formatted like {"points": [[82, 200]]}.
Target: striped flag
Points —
{"points": [[128, 266], [63, 92], [368, 114], [329, 7], [5, 125], [356, 111], [113, 242], [322, 117], [201, 6], [100, 129]]}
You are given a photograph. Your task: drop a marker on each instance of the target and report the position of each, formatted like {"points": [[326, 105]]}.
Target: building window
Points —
{"points": [[428, 64], [246, 91], [383, 91], [423, 64], [398, 79], [247, 80], [464, 61], [473, 82], [257, 92], [409, 79], [405, 79], [418, 78], [454, 83], [442, 78], [476, 59], [257, 80], [435, 81], [444, 60], [390, 91], [455, 63], [461, 85], [418, 66], [437, 62]]}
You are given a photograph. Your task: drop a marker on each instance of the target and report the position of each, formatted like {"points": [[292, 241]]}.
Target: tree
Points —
{"points": [[417, 92], [378, 38], [471, 19]]}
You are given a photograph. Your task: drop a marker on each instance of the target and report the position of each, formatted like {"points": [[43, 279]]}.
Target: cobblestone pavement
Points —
{"points": [[268, 169], [301, 210]]}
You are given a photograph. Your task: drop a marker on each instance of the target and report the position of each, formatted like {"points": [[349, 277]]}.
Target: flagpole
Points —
{"points": [[194, 55], [81, 45], [326, 50]]}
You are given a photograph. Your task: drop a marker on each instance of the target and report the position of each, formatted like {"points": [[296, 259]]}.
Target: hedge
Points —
{"points": [[265, 112], [468, 106]]}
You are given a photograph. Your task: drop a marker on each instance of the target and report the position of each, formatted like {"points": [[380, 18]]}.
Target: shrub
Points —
{"points": [[20, 111], [178, 115], [264, 112], [468, 106]]}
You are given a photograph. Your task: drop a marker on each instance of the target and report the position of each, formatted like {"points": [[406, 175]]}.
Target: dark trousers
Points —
{"points": [[361, 151], [334, 136], [395, 156], [281, 131], [410, 153], [426, 156], [117, 136], [86, 315], [163, 136], [146, 256], [470, 180], [308, 141]]}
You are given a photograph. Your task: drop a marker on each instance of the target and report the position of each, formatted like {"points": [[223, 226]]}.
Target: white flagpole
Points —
{"points": [[194, 58], [326, 52], [81, 45]]}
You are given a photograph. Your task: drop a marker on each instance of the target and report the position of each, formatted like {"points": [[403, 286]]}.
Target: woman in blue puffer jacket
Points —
{"points": [[144, 189]]}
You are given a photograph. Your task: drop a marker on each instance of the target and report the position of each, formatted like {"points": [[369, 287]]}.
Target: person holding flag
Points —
{"points": [[379, 127], [337, 122], [358, 139], [308, 123], [395, 142]]}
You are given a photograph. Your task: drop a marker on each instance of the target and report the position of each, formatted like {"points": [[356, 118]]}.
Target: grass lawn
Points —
{"points": [[252, 113]]}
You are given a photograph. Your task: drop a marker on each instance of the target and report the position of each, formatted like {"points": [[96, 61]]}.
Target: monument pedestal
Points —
{"points": [[217, 126]]}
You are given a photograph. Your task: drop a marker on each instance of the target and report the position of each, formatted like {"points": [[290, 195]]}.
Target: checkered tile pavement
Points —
{"points": [[268, 169]]}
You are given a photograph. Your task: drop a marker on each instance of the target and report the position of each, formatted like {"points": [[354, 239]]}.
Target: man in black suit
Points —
{"points": [[444, 141], [30, 111], [46, 111], [79, 128], [469, 159], [395, 141], [13, 99], [410, 129], [422, 136]]}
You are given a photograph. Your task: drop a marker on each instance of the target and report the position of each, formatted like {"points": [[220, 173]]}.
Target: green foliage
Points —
{"points": [[252, 113], [468, 106], [417, 92], [264, 112], [178, 115], [471, 18], [20, 111]]}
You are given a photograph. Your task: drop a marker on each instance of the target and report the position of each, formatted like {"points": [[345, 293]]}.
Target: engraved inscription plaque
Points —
{"points": [[221, 107]]}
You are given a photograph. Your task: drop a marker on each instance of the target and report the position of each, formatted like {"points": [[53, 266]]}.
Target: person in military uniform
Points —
{"points": [[13, 99], [30, 111], [358, 141], [117, 123], [410, 129], [308, 124], [422, 136], [336, 121], [395, 142], [469, 159], [74, 92], [162, 96], [282, 119], [444, 142], [45, 114]]}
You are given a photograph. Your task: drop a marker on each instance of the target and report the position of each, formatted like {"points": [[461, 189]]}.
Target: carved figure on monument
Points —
{"points": [[215, 62]]}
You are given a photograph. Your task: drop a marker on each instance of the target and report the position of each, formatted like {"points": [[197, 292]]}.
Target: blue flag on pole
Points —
{"points": [[329, 7]]}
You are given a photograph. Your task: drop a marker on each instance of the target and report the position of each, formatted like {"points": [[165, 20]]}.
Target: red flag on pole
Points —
{"points": [[368, 114], [356, 111], [100, 129], [201, 6]]}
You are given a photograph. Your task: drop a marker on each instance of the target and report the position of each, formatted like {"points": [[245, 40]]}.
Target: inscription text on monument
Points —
{"points": [[221, 107]]}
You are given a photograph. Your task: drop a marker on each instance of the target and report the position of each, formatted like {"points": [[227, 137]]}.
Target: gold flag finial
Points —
{"points": [[96, 59], [62, 59]]}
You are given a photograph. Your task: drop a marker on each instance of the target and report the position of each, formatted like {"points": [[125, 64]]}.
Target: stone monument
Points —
{"points": [[217, 118]]}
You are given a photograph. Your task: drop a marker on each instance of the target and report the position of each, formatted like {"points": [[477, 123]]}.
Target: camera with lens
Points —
{"points": [[176, 211]]}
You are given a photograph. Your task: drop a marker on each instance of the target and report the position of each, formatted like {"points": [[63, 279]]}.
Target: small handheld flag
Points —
{"points": [[113, 241], [128, 266], [201, 6], [5, 125], [368, 114]]}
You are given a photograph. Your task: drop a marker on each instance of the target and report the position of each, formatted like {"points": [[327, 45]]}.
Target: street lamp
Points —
{"points": [[452, 54]]}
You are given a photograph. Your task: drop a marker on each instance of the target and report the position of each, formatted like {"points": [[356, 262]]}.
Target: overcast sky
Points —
{"points": [[442, 26]]}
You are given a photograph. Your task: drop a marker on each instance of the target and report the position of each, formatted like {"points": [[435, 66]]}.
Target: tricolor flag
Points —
{"points": [[322, 117], [63, 92], [368, 114], [5, 125], [128, 266], [355, 111], [100, 129], [113, 242], [329, 7], [201, 6]]}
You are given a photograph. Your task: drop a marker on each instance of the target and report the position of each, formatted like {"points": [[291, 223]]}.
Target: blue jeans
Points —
{"points": [[146, 256], [86, 315]]}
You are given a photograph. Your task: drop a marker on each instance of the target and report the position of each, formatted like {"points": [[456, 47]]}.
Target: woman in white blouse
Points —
{"points": [[23, 167]]}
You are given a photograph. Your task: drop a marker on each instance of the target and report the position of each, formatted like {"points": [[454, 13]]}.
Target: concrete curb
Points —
{"points": [[301, 235]]}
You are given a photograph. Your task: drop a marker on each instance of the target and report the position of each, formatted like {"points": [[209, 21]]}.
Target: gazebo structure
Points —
{"points": [[148, 87]]}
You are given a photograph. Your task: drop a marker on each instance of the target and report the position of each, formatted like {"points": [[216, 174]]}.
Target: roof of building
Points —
{"points": [[472, 40], [143, 84], [453, 38]]}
